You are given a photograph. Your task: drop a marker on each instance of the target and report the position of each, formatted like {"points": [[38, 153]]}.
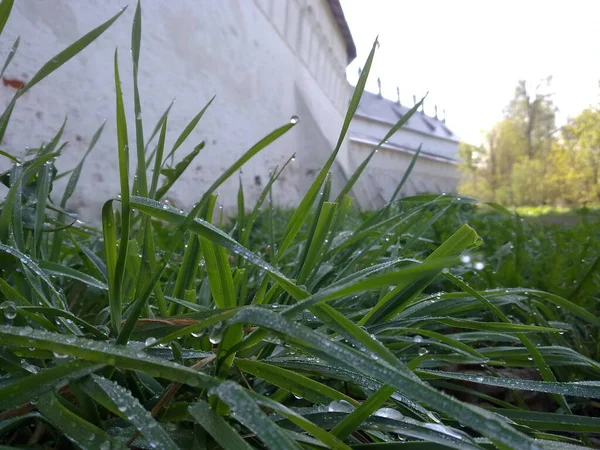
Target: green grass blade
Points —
{"points": [[248, 412], [298, 384], [353, 420], [109, 234], [69, 53], [407, 172], [74, 179], [303, 209], [173, 174], [318, 345], [160, 148], [463, 239], [69, 189], [121, 402], [100, 352], [44, 178], [157, 128], [215, 235], [140, 185], [54, 141], [123, 149], [5, 118], [586, 389], [12, 52], [256, 148], [52, 268], [5, 8], [77, 430], [188, 130], [217, 427], [244, 240], [31, 386]]}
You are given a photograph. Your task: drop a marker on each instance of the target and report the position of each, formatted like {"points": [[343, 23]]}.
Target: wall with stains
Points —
{"points": [[265, 60]]}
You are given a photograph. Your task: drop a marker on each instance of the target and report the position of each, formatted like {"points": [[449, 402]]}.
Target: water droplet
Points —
{"points": [[25, 331], [340, 406], [150, 341], [216, 334], [465, 259], [389, 413], [294, 119], [530, 358], [479, 379], [10, 310], [422, 351], [418, 339], [59, 355], [198, 334], [479, 265]]}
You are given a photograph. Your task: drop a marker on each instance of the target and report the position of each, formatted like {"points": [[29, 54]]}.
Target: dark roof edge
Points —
{"points": [[338, 15]]}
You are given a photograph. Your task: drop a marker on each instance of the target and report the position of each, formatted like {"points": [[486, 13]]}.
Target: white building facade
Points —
{"points": [[265, 60]]}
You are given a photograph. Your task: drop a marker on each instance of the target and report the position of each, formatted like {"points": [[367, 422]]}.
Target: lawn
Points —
{"points": [[434, 322]]}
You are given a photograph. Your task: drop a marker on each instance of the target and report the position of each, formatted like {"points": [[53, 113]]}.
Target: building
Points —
{"points": [[436, 169], [265, 60]]}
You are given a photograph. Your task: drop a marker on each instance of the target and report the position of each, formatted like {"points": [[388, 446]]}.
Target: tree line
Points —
{"points": [[527, 160]]}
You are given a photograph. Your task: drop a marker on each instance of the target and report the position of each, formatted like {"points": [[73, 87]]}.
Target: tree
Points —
{"points": [[581, 136], [534, 115], [515, 158]]}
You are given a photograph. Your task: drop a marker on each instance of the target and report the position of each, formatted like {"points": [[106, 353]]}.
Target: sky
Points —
{"points": [[470, 54]]}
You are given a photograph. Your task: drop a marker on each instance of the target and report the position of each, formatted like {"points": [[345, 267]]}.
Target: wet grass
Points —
{"points": [[420, 325]]}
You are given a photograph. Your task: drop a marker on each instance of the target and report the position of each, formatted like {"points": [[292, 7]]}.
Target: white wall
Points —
{"points": [[266, 60]]}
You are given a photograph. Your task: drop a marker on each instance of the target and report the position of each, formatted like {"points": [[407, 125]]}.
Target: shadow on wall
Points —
{"points": [[314, 149]]}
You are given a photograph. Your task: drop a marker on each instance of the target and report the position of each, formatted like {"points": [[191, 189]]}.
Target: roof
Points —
{"points": [[338, 15], [375, 107]]}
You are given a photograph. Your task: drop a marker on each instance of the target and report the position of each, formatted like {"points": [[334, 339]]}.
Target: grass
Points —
{"points": [[320, 327]]}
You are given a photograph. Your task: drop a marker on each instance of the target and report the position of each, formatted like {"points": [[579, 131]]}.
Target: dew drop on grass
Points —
{"points": [[465, 259], [216, 334], [59, 355], [294, 119], [422, 351], [25, 331], [10, 310], [479, 379], [389, 413], [479, 265], [418, 339], [340, 406], [150, 341]]}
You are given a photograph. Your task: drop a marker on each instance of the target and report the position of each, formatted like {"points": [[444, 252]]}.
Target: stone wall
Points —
{"points": [[265, 60]]}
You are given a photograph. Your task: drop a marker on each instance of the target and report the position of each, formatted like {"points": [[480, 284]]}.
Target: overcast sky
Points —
{"points": [[470, 54]]}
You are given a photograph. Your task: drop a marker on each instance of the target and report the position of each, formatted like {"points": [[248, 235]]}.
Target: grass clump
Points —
{"points": [[322, 329]]}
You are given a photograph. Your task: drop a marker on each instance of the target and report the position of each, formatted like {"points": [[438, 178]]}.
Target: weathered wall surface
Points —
{"points": [[265, 60]]}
